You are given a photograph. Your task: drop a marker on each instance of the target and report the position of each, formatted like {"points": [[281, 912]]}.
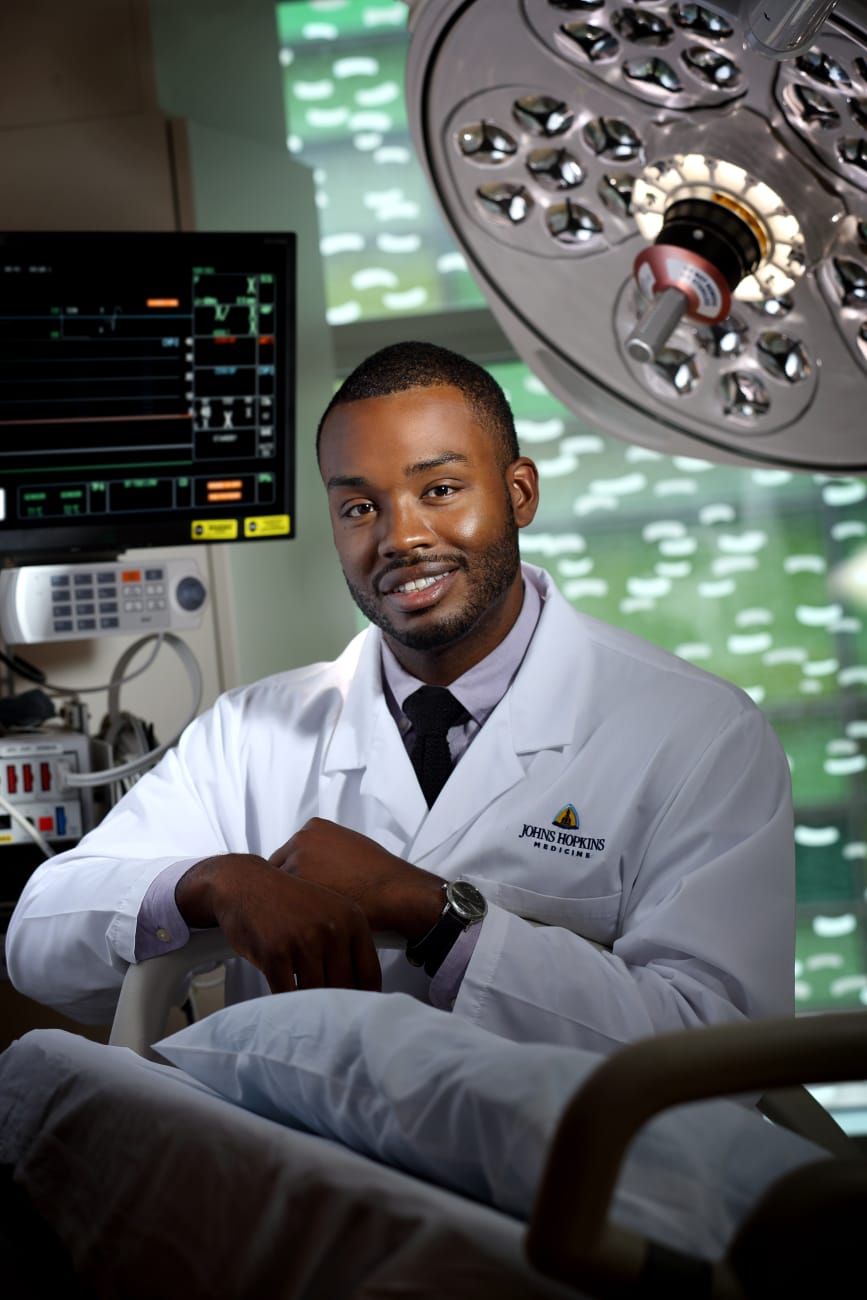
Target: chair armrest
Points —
{"points": [[568, 1235], [151, 988]]}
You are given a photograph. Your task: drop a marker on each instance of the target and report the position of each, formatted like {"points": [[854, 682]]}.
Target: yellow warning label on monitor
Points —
{"points": [[214, 530], [6, 839], [266, 526]]}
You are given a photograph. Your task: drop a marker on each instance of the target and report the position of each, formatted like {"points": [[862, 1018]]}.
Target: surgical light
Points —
{"points": [[665, 205]]}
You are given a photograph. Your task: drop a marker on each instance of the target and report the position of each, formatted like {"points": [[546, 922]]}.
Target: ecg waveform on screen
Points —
{"points": [[196, 365], [166, 376]]}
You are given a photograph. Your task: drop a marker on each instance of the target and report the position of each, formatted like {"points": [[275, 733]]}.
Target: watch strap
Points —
{"points": [[431, 950]]}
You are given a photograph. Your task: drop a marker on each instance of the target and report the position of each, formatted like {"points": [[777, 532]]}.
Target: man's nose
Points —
{"points": [[404, 528]]}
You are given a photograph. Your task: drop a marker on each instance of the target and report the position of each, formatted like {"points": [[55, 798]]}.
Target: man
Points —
{"points": [[620, 821]]}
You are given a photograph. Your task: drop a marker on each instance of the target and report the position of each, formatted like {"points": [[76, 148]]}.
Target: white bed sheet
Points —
{"points": [[452, 1103], [157, 1186]]}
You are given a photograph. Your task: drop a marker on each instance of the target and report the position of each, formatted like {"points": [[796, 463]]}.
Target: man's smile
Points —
{"points": [[423, 590], [404, 578], [420, 585]]}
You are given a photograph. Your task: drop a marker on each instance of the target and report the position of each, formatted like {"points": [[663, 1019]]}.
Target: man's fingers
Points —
{"points": [[299, 934], [330, 958], [278, 857], [311, 970], [365, 960], [279, 981], [339, 968]]}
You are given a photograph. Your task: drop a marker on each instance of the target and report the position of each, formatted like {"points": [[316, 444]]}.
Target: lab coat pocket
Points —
{"points": [[592, 918]]}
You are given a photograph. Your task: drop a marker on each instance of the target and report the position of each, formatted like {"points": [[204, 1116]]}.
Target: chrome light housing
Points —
{"points": [[562, 139]]}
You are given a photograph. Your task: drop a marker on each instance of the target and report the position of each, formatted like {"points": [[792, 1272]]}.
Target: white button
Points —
{"points": [[163, 935]]}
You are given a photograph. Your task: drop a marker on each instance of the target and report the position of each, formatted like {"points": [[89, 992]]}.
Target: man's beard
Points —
{"points": [[489, 575]]}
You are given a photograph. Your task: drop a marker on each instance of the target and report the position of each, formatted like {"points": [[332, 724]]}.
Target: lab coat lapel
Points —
{"points": [[538, 712], [366, 739], [389, 775], [546, 695], [488, 768]]}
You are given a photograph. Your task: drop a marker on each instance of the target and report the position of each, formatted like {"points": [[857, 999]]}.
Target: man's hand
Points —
{"points": [[393, 894], [297, 933]]}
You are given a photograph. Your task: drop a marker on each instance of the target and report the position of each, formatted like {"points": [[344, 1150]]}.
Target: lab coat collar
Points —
{"points": [[364, 710], [545, 697], [366, 737]]}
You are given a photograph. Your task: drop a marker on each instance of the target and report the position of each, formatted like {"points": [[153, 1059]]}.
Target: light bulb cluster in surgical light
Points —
{"points": [[693, 175]]}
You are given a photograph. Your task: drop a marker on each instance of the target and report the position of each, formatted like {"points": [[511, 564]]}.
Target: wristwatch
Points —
{"points": [[464, 906]]}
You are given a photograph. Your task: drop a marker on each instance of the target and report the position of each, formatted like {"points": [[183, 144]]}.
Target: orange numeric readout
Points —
{"points": [[225, 490]]}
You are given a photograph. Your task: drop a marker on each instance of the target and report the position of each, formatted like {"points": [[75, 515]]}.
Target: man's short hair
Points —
{"points": [[401, 366]]}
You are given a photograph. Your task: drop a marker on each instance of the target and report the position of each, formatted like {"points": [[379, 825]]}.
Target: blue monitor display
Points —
{"points": [[147, 390]]}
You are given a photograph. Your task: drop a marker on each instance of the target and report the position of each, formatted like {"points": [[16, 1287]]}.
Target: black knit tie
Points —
{"points": [[432, 710]]}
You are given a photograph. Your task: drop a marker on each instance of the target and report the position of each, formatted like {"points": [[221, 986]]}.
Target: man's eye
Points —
{"points": [[357, 509], [441, 490]]}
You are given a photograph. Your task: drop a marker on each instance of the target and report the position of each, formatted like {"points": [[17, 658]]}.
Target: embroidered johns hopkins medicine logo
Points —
{"points": [[561, 836]]}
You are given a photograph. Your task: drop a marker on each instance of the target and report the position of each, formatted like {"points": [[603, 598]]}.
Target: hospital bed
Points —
{"points": [[155, 1185]]}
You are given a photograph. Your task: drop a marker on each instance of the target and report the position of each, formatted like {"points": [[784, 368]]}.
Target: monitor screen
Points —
{"points": [[146, 390]]}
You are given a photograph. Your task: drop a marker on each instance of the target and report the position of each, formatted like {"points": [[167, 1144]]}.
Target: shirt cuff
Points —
{"points": [[445, 985], [160, 927]]}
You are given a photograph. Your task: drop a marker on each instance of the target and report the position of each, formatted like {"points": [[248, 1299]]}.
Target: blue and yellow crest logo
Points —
{"points": [[567, 817]]}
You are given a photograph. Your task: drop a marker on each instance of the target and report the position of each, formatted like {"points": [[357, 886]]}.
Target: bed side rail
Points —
{"points": [[569, 1236]]}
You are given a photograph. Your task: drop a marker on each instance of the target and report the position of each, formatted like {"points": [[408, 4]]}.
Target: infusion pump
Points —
{"points": [[66, 602]]}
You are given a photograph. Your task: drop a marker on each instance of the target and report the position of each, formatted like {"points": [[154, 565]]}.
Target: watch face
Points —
{"points": [[466, 901]]}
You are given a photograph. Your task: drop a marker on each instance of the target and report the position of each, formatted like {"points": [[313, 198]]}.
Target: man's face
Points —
{"points": [[425, 521]]}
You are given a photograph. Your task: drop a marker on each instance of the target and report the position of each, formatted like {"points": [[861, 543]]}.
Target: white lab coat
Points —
{"points": [[681, 864]]}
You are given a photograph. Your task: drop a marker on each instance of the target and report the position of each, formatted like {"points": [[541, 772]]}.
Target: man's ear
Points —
{"points": [[522, 480]]}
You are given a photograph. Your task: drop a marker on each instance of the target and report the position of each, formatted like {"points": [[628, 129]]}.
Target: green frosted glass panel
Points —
{"points": [[831, 957], [326, 100], [386, 252], [824, 874], [825, 757], [343, 18]]}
